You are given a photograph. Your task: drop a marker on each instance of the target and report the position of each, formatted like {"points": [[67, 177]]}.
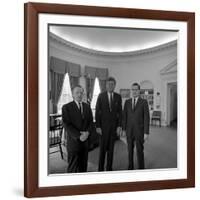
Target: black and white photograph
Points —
{"points": [[109, 99], [112, 99]]}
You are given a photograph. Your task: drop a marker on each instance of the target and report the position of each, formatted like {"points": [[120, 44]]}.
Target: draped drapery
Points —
{"points": [[89, 88], [56, 88], [73, 81], [61, 66], [90, 74], [58, 69], [74, 71], [102, 84]]}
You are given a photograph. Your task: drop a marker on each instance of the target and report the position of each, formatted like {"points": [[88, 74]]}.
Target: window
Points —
{"points": [[66, 94], [96, 92]]}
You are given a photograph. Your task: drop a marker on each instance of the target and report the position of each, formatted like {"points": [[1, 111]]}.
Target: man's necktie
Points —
{"points": [[80, 108], [111, 100], [134, 104]]}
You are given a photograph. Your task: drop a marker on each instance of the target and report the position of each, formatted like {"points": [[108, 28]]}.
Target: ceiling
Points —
{"points": [[114, 39]]}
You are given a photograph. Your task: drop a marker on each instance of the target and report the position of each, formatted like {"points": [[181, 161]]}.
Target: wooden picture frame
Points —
{"points": [[31, 103]]}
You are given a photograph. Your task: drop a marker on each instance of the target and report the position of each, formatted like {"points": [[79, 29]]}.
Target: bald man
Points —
{"points": [[77, 121]]}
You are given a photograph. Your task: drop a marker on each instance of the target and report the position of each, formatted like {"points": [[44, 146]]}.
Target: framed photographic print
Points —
{"points": [[77, 59]]}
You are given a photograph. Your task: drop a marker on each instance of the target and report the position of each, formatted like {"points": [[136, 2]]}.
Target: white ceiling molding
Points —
{"points": [[87, 51]]}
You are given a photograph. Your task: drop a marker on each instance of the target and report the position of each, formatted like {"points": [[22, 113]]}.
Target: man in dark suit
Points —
{"points": [[136, 125], [108, 122], [78, 121]]}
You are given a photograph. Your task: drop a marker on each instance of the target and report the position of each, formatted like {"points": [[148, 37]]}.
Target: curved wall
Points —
{"points": [[127, 67]]}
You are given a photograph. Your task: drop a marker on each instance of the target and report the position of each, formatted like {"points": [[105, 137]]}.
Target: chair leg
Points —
{"points": [[61, 152]]}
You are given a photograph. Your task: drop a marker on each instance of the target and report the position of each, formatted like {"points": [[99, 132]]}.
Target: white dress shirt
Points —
{"points": [[109, 98]]}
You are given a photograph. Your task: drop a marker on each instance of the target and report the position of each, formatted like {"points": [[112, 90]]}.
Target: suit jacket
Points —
{"points": [[136, 122], [74, 122], [106, 117]]}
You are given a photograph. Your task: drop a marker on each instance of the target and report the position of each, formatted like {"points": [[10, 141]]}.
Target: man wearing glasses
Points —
{"points": [[136, 125]]}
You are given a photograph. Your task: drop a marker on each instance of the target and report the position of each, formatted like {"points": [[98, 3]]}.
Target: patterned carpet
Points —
{"points": [[160, 151]]}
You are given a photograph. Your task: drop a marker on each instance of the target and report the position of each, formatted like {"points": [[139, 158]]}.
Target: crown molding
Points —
{"points": [[92, 52]]}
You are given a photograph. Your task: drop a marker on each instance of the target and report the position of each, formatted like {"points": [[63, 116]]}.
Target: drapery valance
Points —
{"points": [[60, 66], [93, 72]]}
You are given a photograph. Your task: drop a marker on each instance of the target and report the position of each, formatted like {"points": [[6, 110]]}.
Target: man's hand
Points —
{"points": [[119, 131], [99, 131], [84, 136], [146, 136]]}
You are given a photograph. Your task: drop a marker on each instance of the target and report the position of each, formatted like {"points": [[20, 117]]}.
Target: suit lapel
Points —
{"points": [[76, 108], [107, 99], [114, 96], [83, 107], [112, 103], [113, 100], [131, 104], [138, 103]]}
